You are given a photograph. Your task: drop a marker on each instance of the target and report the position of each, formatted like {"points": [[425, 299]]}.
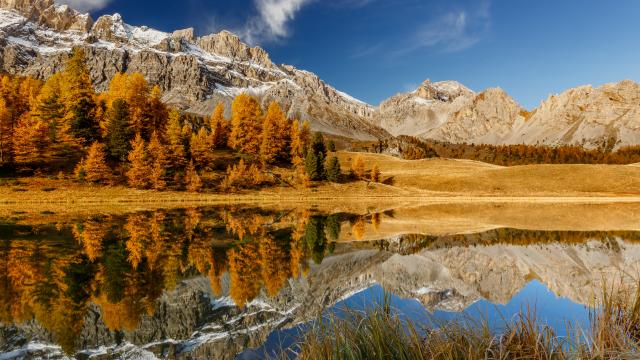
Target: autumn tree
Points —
{"points": [[6, 132], [79, 99], [134, 89], [157, 114], [30, 140], [158, 158], [96, 169], [139, 167], [192, 179], [220, 127], [357, 167], [299, 141], [375, 173], [176, 142], [246, 118], [201, 146], [270, 144], [119, 134]]}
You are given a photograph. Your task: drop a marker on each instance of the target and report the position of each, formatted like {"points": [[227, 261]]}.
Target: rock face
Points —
{"points": [[586, 116], [194, 73], [608, 116]]}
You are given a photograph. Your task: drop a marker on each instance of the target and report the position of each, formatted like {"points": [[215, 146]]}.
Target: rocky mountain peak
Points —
{"points": [[446, 91], [47, 13], [228, 44]]}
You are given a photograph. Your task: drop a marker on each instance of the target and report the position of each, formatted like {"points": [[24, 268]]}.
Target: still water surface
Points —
{"points": [[231, 282]]}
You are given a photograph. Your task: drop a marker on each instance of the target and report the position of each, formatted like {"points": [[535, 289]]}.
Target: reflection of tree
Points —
{"points": [[91, 234], [123, 264], [244, 270], [137, 227], [274, 260], [315, 238], [359, 228]]}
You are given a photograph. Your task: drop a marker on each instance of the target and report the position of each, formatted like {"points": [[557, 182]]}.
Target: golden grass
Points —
{"points": [[432, 181], [472, 178]]}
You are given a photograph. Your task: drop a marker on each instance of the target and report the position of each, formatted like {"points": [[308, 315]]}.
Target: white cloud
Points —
{"points": [[85, 5], [453, 31], [271, 22]]}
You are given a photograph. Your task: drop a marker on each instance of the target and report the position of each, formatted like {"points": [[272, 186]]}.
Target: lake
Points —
{"points": [[245, 282]]}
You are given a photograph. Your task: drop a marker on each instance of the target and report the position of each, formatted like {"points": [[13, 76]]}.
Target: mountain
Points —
{"points": [[195, 73], [447, 111], [191, 323]]}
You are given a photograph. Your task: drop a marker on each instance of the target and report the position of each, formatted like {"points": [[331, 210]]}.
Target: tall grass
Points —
{"points": [[380, 333]]}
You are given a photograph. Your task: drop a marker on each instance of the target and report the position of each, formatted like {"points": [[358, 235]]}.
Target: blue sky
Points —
{"points": [[373, 49]]}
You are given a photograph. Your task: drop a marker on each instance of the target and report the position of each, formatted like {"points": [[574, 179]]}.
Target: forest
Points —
{"points": [[413, 148], [128, 136]]}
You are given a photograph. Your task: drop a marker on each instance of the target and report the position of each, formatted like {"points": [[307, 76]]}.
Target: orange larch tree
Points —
{"points": [[139, 167], [246, 119], [95, 165]]}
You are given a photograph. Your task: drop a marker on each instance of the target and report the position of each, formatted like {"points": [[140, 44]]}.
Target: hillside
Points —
{"points": [[195, 73]]}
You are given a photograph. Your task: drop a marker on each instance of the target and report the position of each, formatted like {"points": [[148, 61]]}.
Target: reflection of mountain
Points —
{"points": [[442, 279], [174, 282]]}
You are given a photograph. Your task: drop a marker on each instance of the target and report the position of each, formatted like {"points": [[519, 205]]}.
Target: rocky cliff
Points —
{"points": [[196, 73], [607, 116]]}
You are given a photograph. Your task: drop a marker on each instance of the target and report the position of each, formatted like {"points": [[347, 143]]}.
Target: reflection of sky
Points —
{"points": [[550, 310]]}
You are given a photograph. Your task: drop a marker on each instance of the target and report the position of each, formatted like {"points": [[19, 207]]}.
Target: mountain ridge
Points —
{"points": [[196, 73]]}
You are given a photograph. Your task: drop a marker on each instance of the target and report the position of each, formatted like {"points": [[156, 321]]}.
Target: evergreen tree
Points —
{"points": [[315, 238], [246, 118], [333, 169], [139, 168], [192, 179], [314, 162], [118, 132], [311, 166], [95, 165], [332, 146]]}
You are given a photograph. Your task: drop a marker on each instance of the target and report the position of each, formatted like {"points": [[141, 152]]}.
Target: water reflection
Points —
{"points": [[213, 282]]}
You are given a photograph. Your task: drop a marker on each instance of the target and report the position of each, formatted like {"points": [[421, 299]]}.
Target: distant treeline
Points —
{"points": [[412, 148]]}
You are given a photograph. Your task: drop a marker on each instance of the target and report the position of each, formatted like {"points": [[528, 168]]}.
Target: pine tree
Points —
{"points": [[272, 143], [246, 118], [95, 165], [139, 167], [118, 132], [311, 166], [332, 146], [192, 179], [333, 169], [220, 127]]}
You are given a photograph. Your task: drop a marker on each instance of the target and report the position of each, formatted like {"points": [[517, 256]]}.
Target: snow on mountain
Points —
{"points": [[195, 73]]}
